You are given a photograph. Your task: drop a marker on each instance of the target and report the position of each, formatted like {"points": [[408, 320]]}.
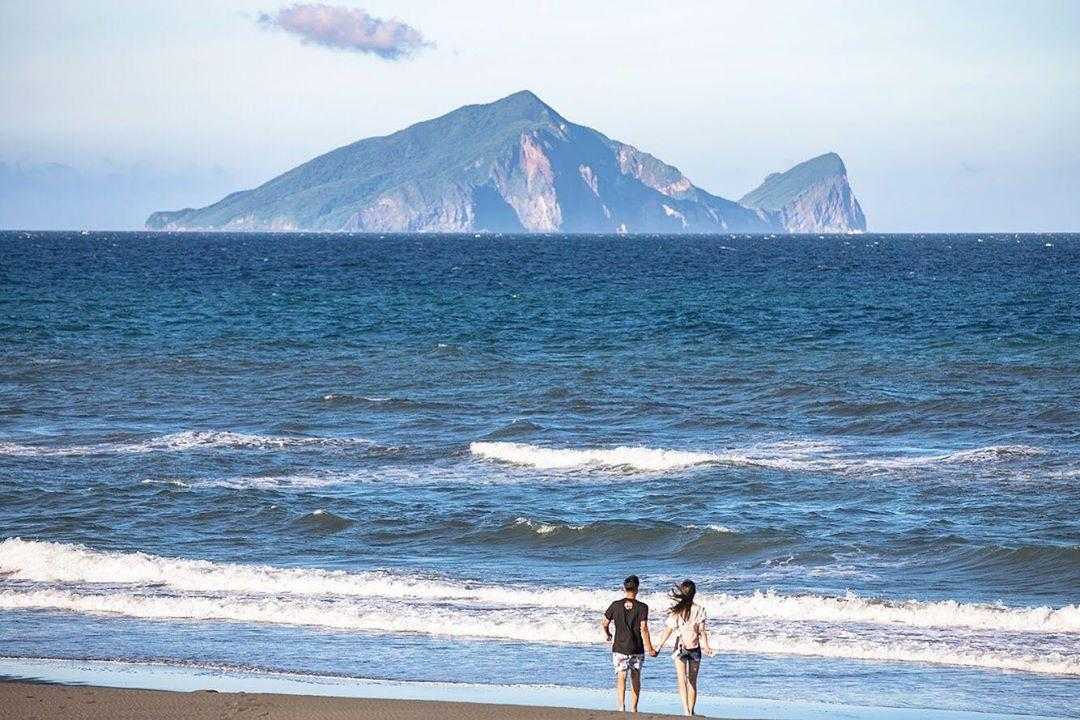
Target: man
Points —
{"points": [[631, 641]]}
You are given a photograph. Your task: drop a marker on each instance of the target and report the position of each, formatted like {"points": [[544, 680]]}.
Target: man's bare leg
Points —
{"points": [[635, 688], [620, 691]]}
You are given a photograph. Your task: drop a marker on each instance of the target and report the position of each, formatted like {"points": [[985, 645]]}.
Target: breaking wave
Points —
{"points": [[73, 578], [988, 454], [64, 563], [793, 455], [636, 528], [632, 458], [187, 440], [300, 481], [516, 625], [528, 625]]}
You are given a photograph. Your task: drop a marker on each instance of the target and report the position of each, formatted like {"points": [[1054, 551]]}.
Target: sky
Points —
{"points": [[954, 115]]}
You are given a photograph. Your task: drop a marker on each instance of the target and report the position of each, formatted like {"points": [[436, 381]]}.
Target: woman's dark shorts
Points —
{"points": [[689, 655]]}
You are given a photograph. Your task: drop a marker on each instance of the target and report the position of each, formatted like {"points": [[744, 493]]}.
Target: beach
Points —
{"points": [[22, 701], [47, 689]]}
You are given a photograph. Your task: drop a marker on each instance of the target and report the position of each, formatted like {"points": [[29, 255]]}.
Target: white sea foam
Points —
{"points": [[66, 564], [317, 479], [534, 625], [634, 458], [987, 454], [72, 578], [277, 482], [544, 528], [836, 458], [793, 455], [344, 614], [912, 613], [787, 455], [181, 441], [993, 453], [900, 650], [172, 483]]}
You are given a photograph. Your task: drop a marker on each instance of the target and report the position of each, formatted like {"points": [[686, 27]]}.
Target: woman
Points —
{"points": [[686, 620]]}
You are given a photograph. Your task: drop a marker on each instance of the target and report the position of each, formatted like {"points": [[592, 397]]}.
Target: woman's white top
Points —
{"points": [[687, 631]]}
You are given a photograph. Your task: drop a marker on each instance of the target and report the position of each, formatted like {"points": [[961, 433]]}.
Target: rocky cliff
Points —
{"points": [[812, 197], [514, 165]]}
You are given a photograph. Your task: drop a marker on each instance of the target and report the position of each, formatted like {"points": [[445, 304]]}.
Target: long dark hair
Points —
{"points": [[682, 596]]}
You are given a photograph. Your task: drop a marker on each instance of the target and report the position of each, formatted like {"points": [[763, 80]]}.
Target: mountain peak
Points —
{"points": [[778, 189], [829, 163], [524, 104], [811, 196], [523, 96]]}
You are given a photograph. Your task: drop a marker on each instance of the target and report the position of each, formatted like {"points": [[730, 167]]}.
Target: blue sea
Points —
{"points": [[435, 458]]}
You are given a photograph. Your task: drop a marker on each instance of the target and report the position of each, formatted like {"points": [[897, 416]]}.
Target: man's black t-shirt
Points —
{"points": [[626, 616]]}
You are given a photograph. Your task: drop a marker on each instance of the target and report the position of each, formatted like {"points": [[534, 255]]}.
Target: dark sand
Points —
{"points": [[21, 701]]}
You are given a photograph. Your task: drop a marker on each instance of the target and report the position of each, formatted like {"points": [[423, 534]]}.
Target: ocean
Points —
{"points": [[435, 458]]}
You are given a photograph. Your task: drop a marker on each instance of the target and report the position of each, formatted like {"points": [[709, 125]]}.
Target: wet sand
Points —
{"points": [[40, 701]]}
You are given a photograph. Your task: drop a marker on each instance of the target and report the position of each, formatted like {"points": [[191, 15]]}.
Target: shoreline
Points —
{"points": [[58, 688], [45, 701]]}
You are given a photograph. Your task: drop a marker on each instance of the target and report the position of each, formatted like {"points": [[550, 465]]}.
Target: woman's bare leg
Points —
{"points": [[680, 679], [691, 684]]}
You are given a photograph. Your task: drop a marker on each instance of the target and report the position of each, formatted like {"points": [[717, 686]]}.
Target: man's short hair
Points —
{"points": [[631, 584]]}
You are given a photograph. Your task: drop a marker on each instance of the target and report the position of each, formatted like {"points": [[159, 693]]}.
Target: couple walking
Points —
{"points": [[626, 626]]}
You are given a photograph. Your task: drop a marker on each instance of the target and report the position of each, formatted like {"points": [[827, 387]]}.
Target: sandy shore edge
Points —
{"points": [[43, 701]]}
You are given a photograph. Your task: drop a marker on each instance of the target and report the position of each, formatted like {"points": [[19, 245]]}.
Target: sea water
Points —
{"points": [[435, 458]]}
